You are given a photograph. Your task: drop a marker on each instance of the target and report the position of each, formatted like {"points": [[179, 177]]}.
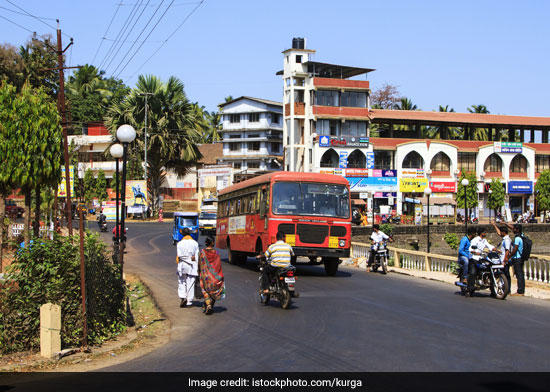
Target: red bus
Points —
{"points": [[311, 209]]}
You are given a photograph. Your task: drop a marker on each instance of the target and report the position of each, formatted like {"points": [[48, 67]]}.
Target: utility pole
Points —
{"points": [[145, 169]]}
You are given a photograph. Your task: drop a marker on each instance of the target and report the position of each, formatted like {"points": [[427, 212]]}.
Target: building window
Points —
{"points": [[542, 163], [234, 136], [357, 159], [253, 117], [441, 162], [383, 160], [236, 165], [467, 161], [275, 118], [354, 99], [493, 164], [354, 128], [234, 118], [298, 58], [330, 159], [413, 160], [234, 146], [275, 148], [518, 164], [253, 146], [326, 98], [328, 127], [253, 135], [253, 165]]}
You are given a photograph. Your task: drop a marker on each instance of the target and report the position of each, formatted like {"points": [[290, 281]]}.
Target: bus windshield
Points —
{"points": [[208, 215], [303, 198]]}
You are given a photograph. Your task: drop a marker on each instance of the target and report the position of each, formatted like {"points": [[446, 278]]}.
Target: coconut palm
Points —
{"points": [[172, 131], [405, 104], [480, 133], [453, 133]]}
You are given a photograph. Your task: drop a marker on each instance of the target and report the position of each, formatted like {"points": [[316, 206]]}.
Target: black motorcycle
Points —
{"points": [[103, 226], [380, 257], [281, 286], [489, 274]]}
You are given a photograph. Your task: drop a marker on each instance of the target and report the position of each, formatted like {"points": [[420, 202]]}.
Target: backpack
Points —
{"points": [[527, 245]]}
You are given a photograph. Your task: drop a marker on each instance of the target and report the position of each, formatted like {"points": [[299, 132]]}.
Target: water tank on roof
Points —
{"points": [[298, 43]]}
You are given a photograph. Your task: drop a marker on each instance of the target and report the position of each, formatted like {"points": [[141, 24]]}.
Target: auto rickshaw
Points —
{"points": [[182, 220]]}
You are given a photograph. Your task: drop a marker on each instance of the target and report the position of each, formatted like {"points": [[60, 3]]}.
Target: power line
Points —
{"points": [[110, 39], [142, 30], [120, 32], [174, 5], [20, 13], [106, 31], [37, 18], [170, 36], [11, 21]]}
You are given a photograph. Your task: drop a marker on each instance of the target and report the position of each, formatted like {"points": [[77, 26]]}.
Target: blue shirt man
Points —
{"points": [[464, 254]]}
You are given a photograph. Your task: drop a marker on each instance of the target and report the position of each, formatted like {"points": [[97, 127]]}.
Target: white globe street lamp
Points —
{"points": [[428, 192], [465, 184]]}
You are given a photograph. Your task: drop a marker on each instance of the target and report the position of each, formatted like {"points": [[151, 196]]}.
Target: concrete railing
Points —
{"points": [[537, 268]]}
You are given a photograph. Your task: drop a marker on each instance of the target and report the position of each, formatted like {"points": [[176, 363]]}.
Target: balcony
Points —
{"points": [[340, 111], [345, 84], [299, 109]]}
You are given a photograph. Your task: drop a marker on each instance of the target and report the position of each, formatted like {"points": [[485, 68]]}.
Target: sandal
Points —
{"points": [[209, 310]]}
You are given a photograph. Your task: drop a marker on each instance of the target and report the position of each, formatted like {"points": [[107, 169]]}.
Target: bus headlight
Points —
{"points": [[342, 243]]}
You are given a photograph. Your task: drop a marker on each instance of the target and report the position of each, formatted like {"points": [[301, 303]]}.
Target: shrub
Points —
{"points": [[452, 240], [453, 267], [386, 228], [49, 271]]}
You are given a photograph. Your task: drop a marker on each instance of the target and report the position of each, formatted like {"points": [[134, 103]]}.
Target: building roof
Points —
{"points": [[266, 101], [325, 70], [452, 118], [210, 153]]}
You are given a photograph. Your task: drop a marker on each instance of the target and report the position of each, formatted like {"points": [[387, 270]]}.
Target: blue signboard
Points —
{"points": [[389, 173], [343, 159], [324, 141], [520, 187], [370, 160], [372, 184]]}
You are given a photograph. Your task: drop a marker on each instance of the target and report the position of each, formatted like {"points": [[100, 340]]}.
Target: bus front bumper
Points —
{"points": [[320, 252]]}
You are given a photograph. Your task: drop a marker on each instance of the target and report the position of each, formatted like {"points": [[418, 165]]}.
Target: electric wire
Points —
{"points": [[21, 13], [175, 5], [11, 21], [167, 39], [142, 31], [122, 28], [37, 18], [106, 31]]}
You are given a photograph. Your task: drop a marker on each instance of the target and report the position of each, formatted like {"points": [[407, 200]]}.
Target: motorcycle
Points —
{"points": [[103, 226], [281, 286], [489, 275], [380, 257]]}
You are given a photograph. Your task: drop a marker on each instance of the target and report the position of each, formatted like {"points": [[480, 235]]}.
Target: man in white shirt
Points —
{"points": [[479, 243], [188, 262], [376, 237], [505, 248]]}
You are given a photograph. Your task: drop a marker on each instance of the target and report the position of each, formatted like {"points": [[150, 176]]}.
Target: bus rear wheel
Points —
{"points": [[331, 265]]}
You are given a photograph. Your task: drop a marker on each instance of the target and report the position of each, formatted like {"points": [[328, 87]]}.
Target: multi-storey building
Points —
{"points": [[252, 133], [391, 156]]}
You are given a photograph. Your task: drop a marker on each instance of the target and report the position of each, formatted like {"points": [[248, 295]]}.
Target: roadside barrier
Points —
{"points": [[537, 268]]}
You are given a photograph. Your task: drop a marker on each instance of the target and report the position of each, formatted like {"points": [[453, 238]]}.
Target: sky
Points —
{"points": [[456, 53]]}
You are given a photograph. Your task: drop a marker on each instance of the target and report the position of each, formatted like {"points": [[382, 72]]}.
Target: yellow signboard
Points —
{"points": [[413, 185], [62, 185]]}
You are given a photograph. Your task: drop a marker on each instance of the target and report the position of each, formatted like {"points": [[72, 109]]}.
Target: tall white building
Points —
{"points": [[252, 134]]}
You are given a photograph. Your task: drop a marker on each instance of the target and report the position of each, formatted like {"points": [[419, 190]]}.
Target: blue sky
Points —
{"points": [[455, 53]]}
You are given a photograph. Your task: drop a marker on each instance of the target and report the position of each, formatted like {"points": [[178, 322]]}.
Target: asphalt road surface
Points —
{"points": [[355, 321]]}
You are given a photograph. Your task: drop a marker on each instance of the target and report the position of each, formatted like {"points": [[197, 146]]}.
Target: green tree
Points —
{"points": [[11, 65], [479, 133], [453, 133], [39, 65], [495, 201], [542, 191], [214, 120], [471, 191], [172, 131], [101, 188], [89, 187], [33, 137], [405, 104]]}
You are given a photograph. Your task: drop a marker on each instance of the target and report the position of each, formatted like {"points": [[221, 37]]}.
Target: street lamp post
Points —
{"points": [[125, 134], [488, 197], [465, 183], [428, 192], [116, 152], [145, 169]]}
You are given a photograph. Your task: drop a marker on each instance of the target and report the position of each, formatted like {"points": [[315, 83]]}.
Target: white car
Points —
{"points": [[207, 223]]}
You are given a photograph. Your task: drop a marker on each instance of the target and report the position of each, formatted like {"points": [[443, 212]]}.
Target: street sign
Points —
{"points": [[370, 160]]}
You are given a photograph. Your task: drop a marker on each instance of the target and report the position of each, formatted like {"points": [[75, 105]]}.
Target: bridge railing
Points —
{"points": [[537, 268]]}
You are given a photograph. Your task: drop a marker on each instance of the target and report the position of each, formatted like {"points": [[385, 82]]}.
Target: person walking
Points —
{"points": [[211, 275], [187, 261]]}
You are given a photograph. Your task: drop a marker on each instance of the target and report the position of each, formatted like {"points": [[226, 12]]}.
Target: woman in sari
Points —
{"points": [[211, 275]]}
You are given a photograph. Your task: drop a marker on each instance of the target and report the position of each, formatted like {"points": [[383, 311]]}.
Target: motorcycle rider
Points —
{"points": [[479, 243], [278, 255], [464, 254], [101, 219], [376, 237]]}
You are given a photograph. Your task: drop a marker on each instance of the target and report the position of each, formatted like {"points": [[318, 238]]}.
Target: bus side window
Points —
{"points": [[263, 204]]}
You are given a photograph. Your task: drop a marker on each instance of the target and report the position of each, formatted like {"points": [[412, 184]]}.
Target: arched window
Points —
{"points": [[441, 162], [357, 159], [330, 159], [493, 164], [518, 164], [413, 160]]}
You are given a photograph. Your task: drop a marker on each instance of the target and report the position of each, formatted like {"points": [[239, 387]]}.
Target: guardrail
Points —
{"points": [[537, 268]]}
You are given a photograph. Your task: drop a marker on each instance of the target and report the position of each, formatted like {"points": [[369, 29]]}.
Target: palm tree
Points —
{"points": [[480, 133], [172, 131], [215, 123], [405, 104], [453, 133]]}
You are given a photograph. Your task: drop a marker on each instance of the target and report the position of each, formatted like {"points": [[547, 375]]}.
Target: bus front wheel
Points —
{"points": [[331, 265]]}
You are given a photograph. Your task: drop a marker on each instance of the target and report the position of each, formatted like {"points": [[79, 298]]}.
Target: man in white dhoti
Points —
{"points": [[187, 260]]}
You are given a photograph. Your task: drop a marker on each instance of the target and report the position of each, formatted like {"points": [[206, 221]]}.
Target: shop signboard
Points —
{"points": [[384, 195], [413, 185], [343, 141], [370, 160], [508, 147], [443, 187], [372, 184], [412, 173], [337, 172], [525, 187], [343, 159], [357, 172], [61, 187]]}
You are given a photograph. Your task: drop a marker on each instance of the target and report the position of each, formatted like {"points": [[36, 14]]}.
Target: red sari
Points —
{"points": [[211, 275]]}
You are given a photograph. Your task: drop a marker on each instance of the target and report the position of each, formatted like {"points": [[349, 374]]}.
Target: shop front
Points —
{"points": [[519, 197], [412, 189], [378, 191]]}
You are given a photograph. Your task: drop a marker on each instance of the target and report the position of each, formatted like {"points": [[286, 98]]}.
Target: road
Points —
{"points": [[356, 321]]}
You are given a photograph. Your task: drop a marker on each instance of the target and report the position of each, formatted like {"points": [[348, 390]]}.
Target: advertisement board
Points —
{"points": [[525, 187], [443, 187], [61, 187], [343, 141], [508, 147], [413, 185], [412, 173], [357, 172], [136, 193], [372, 184], [343, 159]]}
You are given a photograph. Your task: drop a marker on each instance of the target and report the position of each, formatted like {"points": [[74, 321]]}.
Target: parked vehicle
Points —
{"points": [[381, 257], [13, 210], [489, 275], [207, 223], [185, 219], [281, 286], [103, 226]]}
